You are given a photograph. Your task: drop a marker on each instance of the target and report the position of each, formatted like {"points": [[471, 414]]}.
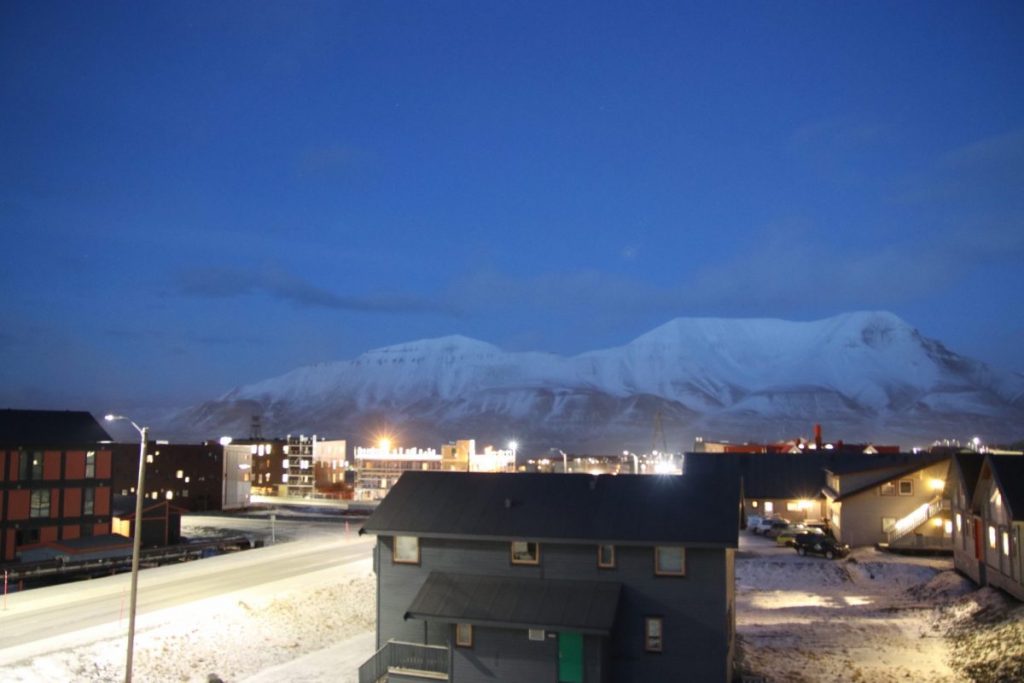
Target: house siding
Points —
{"points": [[859, 517], [697, 611]]}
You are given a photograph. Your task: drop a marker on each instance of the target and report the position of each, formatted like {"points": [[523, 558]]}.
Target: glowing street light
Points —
{"points": [[136, 539], [636, 463]]}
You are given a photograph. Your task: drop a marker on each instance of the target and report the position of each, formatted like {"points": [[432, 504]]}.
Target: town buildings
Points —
{"points": [[575, 577], [55, 479]]}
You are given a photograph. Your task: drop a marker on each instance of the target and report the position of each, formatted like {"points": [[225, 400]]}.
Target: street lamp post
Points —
{"points": [[136, 540]]}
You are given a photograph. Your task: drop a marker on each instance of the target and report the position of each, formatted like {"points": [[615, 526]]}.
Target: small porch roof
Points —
{"points": [[551, 604]]}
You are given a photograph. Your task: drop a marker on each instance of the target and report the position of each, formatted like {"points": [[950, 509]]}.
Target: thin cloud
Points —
{"points": [[225, 283]]}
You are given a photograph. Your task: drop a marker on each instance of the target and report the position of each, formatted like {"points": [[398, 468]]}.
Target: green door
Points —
{"points": [[570, 657]]}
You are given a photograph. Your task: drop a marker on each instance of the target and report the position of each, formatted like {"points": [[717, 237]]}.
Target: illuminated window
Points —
{"points": [[769, 507], [959, 522], [169, 495], [652, 634], [888, 523], [606, 556], [40, 503], [90, 464], [794, 506], [991, 537], [406, 550], [179, 474], [1006, 543], [524, 552], [464, 635], [670, 560], [284, 463], [149, 458]]}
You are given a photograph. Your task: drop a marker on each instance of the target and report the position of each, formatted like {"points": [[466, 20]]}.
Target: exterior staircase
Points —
{"points": [[918, 516]]}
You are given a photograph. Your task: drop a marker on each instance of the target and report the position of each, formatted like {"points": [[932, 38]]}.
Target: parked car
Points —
{"points": [[824, 526], [753, 521], [776, 528], [789, 534], [766, 524], [820, 544]]}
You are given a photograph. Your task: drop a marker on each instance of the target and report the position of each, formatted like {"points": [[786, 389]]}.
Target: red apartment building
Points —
{"points": [[55, 478]]}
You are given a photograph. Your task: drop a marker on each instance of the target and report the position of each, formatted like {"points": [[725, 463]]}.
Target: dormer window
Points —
{"points": [[525, 552]]}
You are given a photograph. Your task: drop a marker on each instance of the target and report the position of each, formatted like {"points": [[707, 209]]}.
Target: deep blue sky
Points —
{"points": [[199, 195]]}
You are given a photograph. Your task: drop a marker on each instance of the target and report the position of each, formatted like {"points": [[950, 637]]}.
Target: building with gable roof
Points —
{"points": [[989, 520], [569, 577]]}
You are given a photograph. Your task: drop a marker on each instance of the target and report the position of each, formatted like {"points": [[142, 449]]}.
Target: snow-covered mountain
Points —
{"points": [[865, 376]]}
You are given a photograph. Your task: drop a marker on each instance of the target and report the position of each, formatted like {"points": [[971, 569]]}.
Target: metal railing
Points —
{"points": [[916, 518], [409, 657]]}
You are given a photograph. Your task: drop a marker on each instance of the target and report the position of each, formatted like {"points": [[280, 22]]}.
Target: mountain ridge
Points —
{"points": [[869, 374]]}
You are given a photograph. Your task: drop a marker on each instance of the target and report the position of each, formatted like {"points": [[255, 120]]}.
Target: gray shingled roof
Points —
{"points": [[1009, 474], [585, 606], [49, 428], [695, 509], [771, 475]]}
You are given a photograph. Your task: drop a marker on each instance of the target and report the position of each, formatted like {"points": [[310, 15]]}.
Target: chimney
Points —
{"points": [[817, 436]]}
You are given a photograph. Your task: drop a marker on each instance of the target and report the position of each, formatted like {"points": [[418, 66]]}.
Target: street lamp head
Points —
{"points": [[110, 417]]}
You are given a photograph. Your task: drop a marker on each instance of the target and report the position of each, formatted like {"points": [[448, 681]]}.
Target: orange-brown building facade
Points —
{"points": [[55, 478]]}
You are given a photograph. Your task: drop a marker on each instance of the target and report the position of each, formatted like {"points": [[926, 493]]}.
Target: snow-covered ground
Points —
{"points": [[873, 617]]}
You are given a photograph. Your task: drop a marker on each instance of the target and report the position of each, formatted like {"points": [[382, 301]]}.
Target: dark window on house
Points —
{"points": [[24, 465], [653, 634], [406, 550], [90, 465], [525, 552], [87, 501], [86, 530], [606, 556], [906, 487], [670, 560], [464, 635], [40, 503]]}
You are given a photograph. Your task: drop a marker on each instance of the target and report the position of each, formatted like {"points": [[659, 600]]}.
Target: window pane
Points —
{"points": [[670, 559], [606, 555], [524, 552], [407, 549], [652, 634], [463, 635]]}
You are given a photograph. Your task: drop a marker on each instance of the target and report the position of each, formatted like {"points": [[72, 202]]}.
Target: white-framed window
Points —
{"points": [[653, 628], [906, 487], [90, 464], [888, 523], [88, 497], [959, 522], [992, 537], [1006, 543], [524, 552], [670, 560], [606, 557], [406, 550], [769, 507], [463, 635]]}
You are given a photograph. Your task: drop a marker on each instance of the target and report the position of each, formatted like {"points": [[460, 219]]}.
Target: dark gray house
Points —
{"points": [[567, 578]]}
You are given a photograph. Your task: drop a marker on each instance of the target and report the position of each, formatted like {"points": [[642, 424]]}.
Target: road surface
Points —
{"points": [[44, 613]]}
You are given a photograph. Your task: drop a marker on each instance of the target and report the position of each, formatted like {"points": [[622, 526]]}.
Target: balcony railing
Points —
{"points": [[412, 659]]}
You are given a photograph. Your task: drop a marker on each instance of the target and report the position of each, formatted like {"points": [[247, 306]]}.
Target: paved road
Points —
{"points": [[56, 610]]}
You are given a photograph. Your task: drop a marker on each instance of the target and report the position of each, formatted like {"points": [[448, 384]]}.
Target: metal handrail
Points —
{"points": [[916, 518], [407, 656]]}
